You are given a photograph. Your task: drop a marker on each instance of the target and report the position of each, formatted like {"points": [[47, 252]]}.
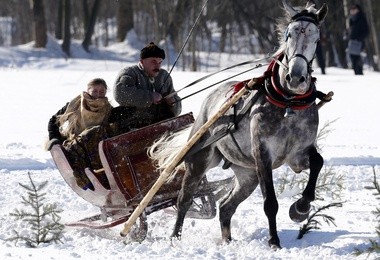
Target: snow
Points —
{"points": [[36, 83]]}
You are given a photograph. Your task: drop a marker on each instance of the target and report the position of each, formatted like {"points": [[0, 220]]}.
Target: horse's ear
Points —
{"points": [[309, 4], [288, 8], [321, 13]]}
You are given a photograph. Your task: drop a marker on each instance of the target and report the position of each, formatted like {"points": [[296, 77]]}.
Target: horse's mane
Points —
{"points": [[284, 22]]}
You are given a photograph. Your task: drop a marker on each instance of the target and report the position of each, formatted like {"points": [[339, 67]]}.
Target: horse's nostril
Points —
{"points": [[302, 79], [288, 78]]}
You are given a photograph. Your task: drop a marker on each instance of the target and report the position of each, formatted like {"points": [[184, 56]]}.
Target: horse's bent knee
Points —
{"points": [[316, 161]]}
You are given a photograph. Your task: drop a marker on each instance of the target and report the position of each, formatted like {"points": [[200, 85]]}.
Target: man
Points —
{"points": [[147, 89]]}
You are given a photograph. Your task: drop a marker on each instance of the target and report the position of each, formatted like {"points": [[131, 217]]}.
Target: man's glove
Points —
{"points": [[156, 98], [49, 144]]}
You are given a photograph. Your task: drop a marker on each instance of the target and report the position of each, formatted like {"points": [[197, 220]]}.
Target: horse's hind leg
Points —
{"points": [[300, 209], [246, 182], [196, 166]]}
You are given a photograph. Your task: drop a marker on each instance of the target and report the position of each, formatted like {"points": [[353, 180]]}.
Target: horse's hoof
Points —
{"points": [[175, 237], [275, 247], [298, 215], [274, 244]]}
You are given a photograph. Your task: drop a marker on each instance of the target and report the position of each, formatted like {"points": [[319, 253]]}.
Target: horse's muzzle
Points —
{"points": [[297, 84]]}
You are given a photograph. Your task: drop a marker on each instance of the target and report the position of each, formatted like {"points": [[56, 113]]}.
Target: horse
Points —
{"points": [[278, 127]]}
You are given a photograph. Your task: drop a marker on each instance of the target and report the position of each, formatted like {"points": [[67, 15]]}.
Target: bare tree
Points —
{"points": [[39, 23], [179, 17], [67, 33], [374, 47], [58, 29], [243, 26], [90, 28], [124, 19]]}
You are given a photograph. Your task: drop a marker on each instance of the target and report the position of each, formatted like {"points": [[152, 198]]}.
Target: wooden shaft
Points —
{"points": [[327, 98], [168, 170]]}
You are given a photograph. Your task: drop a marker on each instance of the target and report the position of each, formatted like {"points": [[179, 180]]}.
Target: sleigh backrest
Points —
{"points": [[124, 158]]}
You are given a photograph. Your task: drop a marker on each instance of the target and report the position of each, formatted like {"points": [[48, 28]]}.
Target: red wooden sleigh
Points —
{"points": [[130, 174]]}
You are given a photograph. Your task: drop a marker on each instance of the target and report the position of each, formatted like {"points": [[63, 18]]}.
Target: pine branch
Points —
{"points": [[312, 221], [43, 220], [329, 183], [375, 246], [323, 133]]}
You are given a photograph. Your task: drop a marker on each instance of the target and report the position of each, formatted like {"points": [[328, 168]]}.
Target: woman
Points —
{"points": [[79, 126], [89, 109]]}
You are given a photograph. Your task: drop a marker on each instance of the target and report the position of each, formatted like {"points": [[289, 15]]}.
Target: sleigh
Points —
{"points": [[130, 174]]}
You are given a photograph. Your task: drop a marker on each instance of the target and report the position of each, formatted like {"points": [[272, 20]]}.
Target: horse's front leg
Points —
{"points": [[300, 209], [264, 171]]}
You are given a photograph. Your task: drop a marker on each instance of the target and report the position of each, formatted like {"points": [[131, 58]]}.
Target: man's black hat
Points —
{"points": [[152, 50]]}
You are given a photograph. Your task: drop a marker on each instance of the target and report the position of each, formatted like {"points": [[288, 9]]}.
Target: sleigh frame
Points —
{"points": [[130, 174]]}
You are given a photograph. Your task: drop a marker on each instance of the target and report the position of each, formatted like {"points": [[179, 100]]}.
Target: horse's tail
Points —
{"points": [[163, 150]]}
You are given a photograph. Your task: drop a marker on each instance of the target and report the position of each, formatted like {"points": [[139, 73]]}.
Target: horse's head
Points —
{"points": [[299, 45]]}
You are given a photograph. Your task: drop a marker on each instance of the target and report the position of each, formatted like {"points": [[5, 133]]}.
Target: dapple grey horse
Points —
{"points": [[264, 139]]}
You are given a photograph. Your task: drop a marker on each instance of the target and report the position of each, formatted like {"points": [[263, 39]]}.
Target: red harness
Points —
{"points": [[277, 95]]}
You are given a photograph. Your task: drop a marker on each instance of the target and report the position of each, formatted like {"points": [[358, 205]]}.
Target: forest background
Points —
{"points": [[228, 26]]}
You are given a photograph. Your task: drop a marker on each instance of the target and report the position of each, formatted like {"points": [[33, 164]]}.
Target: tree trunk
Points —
{"points": [[91, 25], [374, 45], [67, 34], [86, 14], [58, 29], [175, 26], [124, 19], [39, 25]]}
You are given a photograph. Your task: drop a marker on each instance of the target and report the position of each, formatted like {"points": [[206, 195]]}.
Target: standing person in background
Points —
{"points": [[358, 32], [147, 89]]}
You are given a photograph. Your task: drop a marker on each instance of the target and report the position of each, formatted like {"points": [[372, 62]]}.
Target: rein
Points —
{"points": [[221, 81], [219, 71]]}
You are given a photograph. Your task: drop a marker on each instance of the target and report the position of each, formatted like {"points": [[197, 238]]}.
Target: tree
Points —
{"points": [[124, 19], [374, 47], [41, 219], [179, 17], [67, 33], [90, 28], [39, 23], [243, 26], [58, 30]]}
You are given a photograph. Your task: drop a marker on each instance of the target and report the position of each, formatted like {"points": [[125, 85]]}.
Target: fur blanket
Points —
{"points": [[84, 112]]}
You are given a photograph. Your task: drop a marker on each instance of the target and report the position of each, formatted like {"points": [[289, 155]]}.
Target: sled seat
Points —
{"points": [[125, 160]]}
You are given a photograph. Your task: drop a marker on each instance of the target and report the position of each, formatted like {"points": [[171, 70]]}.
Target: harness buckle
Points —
{"points": [[289, 112]]}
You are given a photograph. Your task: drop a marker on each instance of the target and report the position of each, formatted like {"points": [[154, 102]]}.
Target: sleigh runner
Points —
{"points": [[130, 174]]}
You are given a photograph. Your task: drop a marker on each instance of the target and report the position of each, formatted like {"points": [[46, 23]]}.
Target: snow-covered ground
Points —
{"points": [[36, 83]]}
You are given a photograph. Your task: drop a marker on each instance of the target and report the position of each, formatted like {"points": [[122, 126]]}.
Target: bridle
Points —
{"points": [[305, 17]]}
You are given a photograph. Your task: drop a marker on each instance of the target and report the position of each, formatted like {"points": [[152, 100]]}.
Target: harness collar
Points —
{"points": [[278, 96]]}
